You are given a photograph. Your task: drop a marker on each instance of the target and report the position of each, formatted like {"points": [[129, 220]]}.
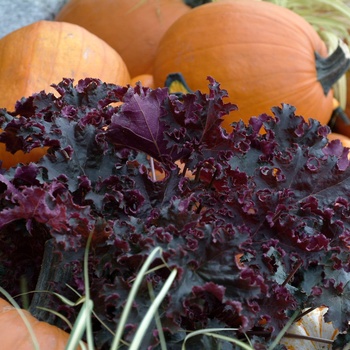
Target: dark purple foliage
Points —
{"points": [[261, 229]]}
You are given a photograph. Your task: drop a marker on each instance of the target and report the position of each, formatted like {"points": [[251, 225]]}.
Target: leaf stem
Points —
{"points": [[307, 337], [153, 171], [292, 273]]}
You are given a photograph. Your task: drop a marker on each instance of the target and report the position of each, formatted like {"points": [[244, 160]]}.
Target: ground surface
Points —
{"points": [[15, 14]]}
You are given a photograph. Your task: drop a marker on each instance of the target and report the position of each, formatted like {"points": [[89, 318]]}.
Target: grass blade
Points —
{"points": [[80, 325], [209, 332], [131, 297], [151, 311]]}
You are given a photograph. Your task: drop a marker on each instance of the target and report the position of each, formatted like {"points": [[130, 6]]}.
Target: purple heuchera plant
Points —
{"points": [[259, 229]]}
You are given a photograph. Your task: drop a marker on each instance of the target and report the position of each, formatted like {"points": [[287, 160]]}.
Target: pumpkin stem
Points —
{"points": [[176, 84], [330, 69], [195, 3]]}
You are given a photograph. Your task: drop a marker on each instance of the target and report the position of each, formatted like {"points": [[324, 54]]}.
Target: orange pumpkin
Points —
{"points": [[132, 27], [145, 80], [261, 53], [40, 54], [15, 335]]}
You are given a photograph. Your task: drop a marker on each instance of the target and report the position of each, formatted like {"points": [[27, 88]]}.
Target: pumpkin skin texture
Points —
{"points": [[40, 54], [132, 27], [14, 333], [261, 53]]}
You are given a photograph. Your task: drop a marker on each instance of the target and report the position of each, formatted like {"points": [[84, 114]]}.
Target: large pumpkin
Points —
{"points": [[40, 54], [132, 27], [145, 80], [15, 335], [261, 53]]}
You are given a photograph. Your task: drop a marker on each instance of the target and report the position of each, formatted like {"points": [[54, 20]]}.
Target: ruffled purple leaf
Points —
{"points": [[257, 228]]}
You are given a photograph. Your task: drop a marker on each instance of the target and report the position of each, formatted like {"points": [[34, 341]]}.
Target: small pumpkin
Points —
{"points": [[261, 53], [42, 53], [15, 335], [311, 325], [145, 80], [132, 27]]}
